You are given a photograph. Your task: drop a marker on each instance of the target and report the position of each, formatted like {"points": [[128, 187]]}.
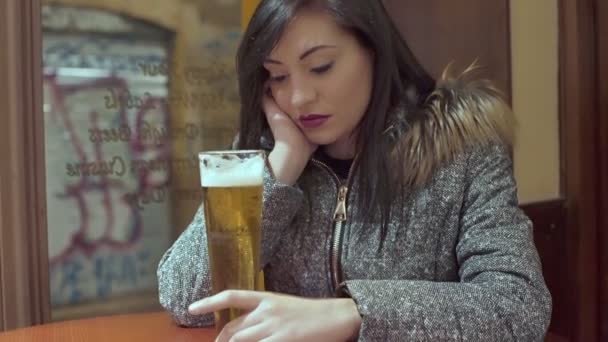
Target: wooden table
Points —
{"points": [[138, 327]]}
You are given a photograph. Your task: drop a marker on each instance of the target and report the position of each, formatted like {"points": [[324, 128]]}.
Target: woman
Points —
{"points": [[390, 210]]}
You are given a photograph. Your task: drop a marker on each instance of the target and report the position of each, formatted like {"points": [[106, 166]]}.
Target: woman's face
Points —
{"points": [[321, 76]]}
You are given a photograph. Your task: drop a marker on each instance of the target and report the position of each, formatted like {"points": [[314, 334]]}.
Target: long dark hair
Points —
{"points": [[399, 82]]}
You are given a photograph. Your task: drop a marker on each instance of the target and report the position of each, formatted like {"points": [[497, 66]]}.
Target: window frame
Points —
{"points": [[24, 285]]}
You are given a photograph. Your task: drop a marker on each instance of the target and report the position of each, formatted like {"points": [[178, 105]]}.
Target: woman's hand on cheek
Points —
{"points": [[292, 149], [274, 317], [285, 130]]}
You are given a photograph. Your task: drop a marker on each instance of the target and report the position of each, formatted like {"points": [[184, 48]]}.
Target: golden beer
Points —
{"points": [[232, 201]]}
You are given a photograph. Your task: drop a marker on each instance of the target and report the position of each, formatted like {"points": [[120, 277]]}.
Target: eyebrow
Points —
{"points": [[305, 54]]}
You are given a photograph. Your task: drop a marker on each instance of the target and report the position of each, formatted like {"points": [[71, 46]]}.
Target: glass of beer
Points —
{"points": [[232, 201]]}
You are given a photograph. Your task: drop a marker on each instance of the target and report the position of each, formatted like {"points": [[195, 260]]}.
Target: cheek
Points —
{"points": [[352, 91], [281, 98], [351, 84]]}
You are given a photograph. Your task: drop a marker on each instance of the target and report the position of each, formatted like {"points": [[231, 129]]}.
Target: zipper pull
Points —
{"points": [[340, 213]]}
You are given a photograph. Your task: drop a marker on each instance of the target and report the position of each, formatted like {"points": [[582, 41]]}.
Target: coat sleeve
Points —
{"points": [[501, 295], [183, 271]]}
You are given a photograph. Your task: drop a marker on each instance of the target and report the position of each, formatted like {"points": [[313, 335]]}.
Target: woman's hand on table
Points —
{"points": [[276, 317]]}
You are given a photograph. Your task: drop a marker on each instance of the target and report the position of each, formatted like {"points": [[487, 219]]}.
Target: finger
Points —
{"points": [[236, 326], [252, 334], [269, 104], [230, 329], [273, 338], [278, 119], [270, 107], [237, 299]]}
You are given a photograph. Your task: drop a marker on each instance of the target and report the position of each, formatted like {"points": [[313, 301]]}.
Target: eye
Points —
{"points": [[322, 69], [278, 79]]}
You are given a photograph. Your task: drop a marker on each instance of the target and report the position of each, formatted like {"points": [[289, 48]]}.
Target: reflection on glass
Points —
{"points": [[131, 94]]}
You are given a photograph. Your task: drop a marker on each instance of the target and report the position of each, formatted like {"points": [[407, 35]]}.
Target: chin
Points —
{"points": [[321, 139]]}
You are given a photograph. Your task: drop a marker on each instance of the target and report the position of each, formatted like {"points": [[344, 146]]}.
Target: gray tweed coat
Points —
{"points": [[458, 262]]}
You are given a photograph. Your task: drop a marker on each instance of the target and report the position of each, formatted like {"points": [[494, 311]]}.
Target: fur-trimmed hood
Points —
{"points": [[460, 113]]}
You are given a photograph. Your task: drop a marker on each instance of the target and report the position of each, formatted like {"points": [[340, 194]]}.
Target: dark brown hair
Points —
{"points": [[399, 82]]}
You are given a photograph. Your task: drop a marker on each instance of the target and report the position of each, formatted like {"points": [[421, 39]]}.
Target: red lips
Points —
{"points": [[313, 120]]}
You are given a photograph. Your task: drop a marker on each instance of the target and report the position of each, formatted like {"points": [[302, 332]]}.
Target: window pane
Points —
{"points": [[132, 92]]}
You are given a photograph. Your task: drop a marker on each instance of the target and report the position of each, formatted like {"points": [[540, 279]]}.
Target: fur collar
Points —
{"points": [[460, 113]]}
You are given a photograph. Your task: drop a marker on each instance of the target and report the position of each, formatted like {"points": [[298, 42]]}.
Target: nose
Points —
{"points": [[302, 93]]}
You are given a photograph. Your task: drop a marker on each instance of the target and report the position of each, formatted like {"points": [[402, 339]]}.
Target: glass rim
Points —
{"points": [[232, 152]]}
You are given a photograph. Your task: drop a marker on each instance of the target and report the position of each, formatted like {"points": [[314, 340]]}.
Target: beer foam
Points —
{"points": [[232, 173]]}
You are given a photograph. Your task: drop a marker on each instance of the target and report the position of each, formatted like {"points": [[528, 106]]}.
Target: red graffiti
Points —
{"points": [[138, 148]]}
